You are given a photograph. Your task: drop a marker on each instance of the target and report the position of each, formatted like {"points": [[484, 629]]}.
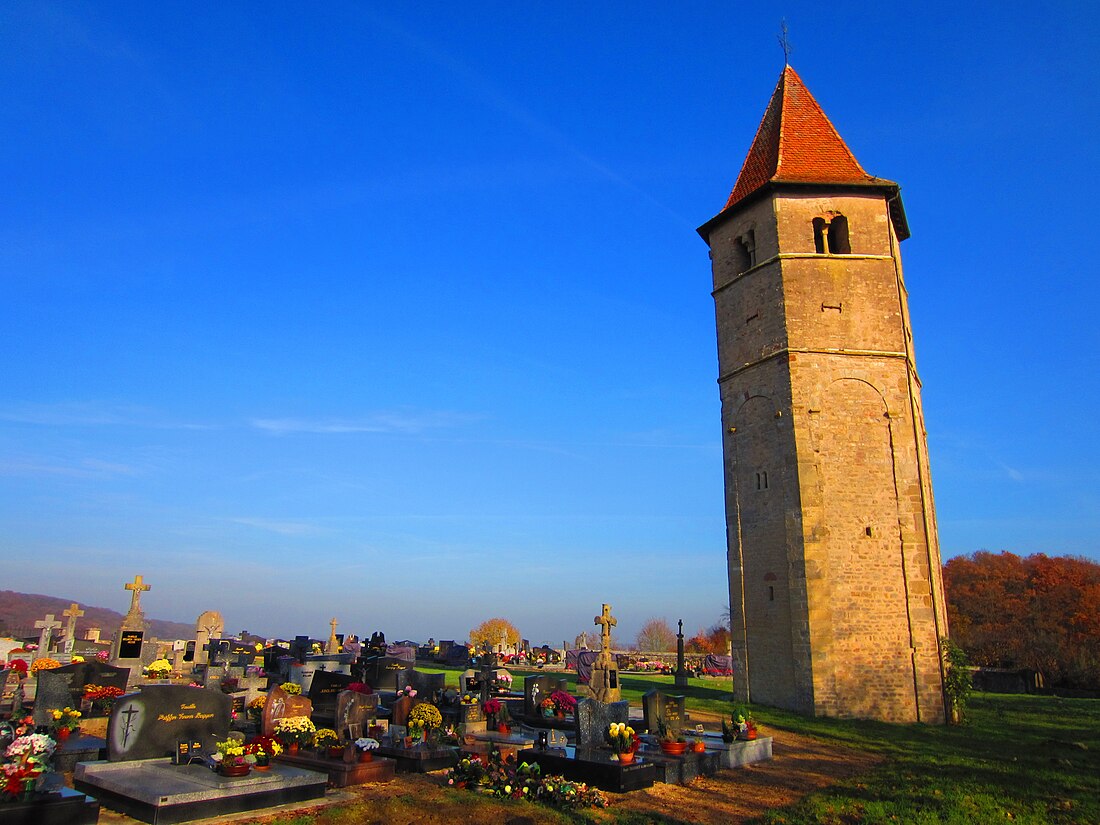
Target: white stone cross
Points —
{"points": [[73, 612], [47, 626]]}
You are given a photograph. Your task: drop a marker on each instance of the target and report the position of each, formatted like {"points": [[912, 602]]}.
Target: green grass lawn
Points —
{"points": [[1020, 759]]}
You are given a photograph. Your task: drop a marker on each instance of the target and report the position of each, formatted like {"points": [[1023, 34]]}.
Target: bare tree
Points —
{"points": [[656, 636]]}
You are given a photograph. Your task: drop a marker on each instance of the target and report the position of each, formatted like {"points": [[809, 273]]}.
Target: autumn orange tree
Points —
{"points": [[715, 639], [492, 631], [1040, 612]]}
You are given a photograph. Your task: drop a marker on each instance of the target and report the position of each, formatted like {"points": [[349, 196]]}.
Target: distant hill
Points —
{"points": [[19, 612]]}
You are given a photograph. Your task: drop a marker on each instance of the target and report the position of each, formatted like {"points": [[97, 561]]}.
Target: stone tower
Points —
{"points": [[835, 589]]}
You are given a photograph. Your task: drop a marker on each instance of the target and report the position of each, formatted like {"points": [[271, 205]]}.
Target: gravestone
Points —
{"points": [[47, 626], [128, 643], [400, 712], [71, 613], [9, 684], [539, 687], [280, 705], [659, 708], [324, 689], [147, 725], [354, 712], [92, 672], [380, 672], [209, 625], [301, 647], [595, 717], [428, 686], [272, 655], [53, 694]]}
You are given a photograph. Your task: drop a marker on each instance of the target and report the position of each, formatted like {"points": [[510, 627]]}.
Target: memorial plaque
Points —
{"points": [[147, 725], [129, 645]]}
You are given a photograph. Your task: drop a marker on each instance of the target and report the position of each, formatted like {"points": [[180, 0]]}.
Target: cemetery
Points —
{"points": [[182, 730]]}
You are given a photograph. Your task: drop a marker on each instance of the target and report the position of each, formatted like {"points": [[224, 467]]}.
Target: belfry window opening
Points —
{"points": [[831, 236]]}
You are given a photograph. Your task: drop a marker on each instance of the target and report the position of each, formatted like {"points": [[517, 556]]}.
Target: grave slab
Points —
{"points": [[158, 792], [78, 749], [680, 770], [593, 766], [420, 759], [341, 773], [66, 807]]}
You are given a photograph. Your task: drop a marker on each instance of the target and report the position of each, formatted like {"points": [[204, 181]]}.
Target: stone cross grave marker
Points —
{"points": [[333, 644], [594, 718], [47, 626], [72, 613], [136, 588], [209, 625], [659, 708], [147, 725], [603, 683]]}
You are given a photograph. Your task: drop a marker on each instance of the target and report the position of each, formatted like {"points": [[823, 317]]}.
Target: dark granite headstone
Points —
{"points": [[539, 687], [659, 708], [381, 672], [91, 673], [470, 713], [458, 656], [428, 686], [52, 694], [272, 656], [324, 689], [301, 647], [594, 718], [9, 681], [147, 725], [129, 645]]}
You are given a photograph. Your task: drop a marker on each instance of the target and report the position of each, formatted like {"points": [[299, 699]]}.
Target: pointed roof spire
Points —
{"points": [[796, 143]]}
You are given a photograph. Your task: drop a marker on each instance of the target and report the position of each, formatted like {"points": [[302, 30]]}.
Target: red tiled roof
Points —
{"points": [[796, 143]]}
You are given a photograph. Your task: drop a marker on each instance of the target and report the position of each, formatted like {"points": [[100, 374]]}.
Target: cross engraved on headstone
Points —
{"points": [[129, 713], [47, 626], [136, 587], [73, 612]]}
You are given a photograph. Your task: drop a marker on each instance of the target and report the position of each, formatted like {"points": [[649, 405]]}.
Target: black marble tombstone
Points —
{"points": [[148, 724], [660, 709], [539, 687], [323, 692]]}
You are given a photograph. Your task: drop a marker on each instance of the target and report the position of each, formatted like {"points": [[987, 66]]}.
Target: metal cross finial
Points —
{"points": [[784, 43]]}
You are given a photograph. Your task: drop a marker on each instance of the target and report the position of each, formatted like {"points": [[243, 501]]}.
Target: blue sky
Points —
{"points": [[397, 312]]}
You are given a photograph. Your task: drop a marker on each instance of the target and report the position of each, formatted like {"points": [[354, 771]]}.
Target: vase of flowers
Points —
{"points": [[623, 741], [496, 714], [295, 732], [672, 742], [26, 759], [326, 741], [102, 697], [64, 722], [263, 749], [744, 726], [546, 708], [365, 747], [564, 704], [231, 758]]}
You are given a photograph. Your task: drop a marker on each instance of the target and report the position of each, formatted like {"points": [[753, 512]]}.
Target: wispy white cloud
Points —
{"points": [[85, 468], [283, 528], [92, 414], [383, 422]]}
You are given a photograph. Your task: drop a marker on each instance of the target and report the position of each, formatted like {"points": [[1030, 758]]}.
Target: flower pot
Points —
{"points": [[234, 770], [63, 734], [292, 748], [547, 713], [698, 747], [335, 752], [366, 756], [626, 758], [260, 767], [674, 748], [505, 729], [559, 715], [408, 741]]}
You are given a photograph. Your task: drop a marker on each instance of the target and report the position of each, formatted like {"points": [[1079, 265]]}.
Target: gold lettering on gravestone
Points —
{"points": [[183, 715]]}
